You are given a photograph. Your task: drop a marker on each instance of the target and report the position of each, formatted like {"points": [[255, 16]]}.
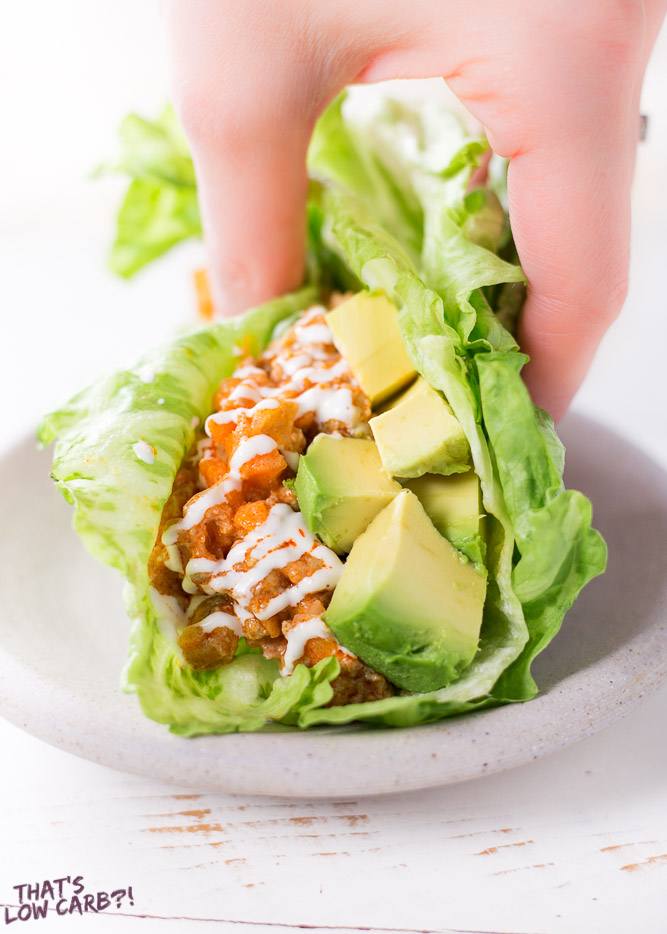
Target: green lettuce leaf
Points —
{"points": [[120, 444], [160, 208], [461, 347], [560, 552], [437, 351]]}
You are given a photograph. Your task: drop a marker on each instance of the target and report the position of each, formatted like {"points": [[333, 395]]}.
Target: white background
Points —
{"points": [[574, 843]]}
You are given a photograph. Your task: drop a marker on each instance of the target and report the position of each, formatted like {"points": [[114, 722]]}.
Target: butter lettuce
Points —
{"points": [[160, 208], [389, 208], [119, 490]]}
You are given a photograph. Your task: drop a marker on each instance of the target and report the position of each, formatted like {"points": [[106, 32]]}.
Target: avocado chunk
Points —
{"points": [[419, 434], [341, 486], [453, 506], [366, 332], [407, 603]]}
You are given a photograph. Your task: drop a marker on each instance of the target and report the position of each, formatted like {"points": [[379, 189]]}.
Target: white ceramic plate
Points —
{"points": [[63, 638]]}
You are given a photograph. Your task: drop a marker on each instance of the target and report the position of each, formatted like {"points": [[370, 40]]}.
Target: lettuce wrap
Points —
{"points": [[389, 209]]}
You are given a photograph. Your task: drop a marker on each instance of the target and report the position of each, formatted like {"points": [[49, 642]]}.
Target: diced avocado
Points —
{"points": [[453, 506], [341, 486], [366, 333], [419, 434], [407, 603]]}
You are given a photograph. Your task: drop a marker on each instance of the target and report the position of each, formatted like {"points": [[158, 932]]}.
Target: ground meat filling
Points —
{"points": [[233, 548]]}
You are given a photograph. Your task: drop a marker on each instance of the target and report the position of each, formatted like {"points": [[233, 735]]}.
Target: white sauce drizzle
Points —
{"points": [[290, 365], [313, 333], [317, 374], [279, 540], [251, 391], [315, 311], [243, 371], [329, 404], [204, 451], [249, 448], [292, 458], [197, 566], [233, 415], [195, 512], [325, 578], [220, 618], [215, 495], [144, 451], [314, 628], [174, 561], [245, 390], [243, 614]]}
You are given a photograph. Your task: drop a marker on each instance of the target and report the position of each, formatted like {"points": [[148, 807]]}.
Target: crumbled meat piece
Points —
{"points": [[211, 605], [204, 650], [357, 683], [212, 538]]}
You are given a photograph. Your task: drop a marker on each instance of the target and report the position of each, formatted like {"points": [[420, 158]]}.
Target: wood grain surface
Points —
{"points": [[574, 843]]}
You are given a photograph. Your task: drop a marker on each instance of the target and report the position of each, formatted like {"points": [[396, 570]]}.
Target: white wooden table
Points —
{"points": [[572, 843], [575, 843]]}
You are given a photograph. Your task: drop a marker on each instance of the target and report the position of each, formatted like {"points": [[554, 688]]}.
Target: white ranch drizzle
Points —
{"points": [[249, 448], [242, 371], [313, 333], [281, 539], [290, 365], [233, 415], [329, 404], [317, 374], [219, 619], [204, 452], [144, 451], [195, 512], [292, 458], [243, 614], [313, 628], [324, 578], [198, 566], [174, 562], [251, 391], [216, 495]]}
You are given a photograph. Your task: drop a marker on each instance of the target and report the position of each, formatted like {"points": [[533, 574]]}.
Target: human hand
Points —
{"points": [[556, 87]]}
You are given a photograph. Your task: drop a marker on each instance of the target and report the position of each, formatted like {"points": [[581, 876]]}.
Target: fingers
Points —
{"points": [[570, 211], [556, 88], [569, 197], [557, 92], [247, 107], [253, 214]]}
